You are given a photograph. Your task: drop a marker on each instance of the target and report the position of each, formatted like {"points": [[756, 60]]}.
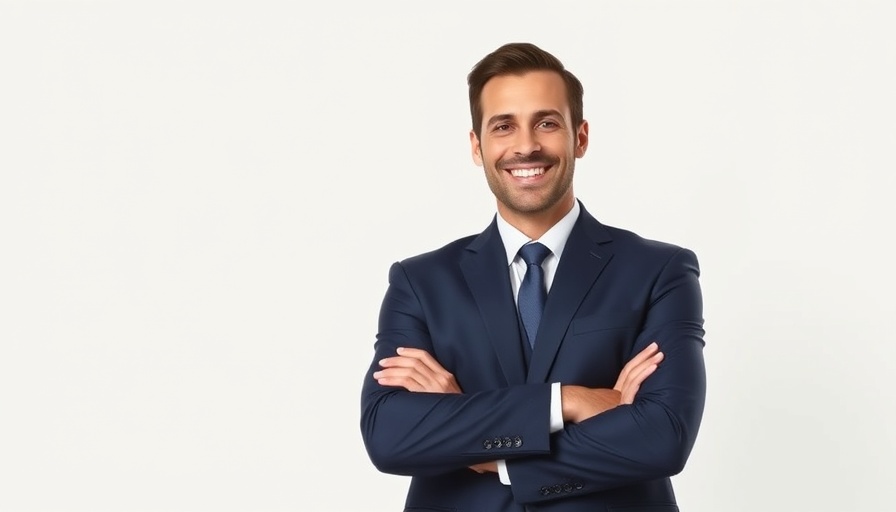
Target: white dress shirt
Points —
{"points": [[555, 240]]}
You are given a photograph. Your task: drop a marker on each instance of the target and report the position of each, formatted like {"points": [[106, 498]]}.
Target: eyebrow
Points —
{"points": [[509, 117]]}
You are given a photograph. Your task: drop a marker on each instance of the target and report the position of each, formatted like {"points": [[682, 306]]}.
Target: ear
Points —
{"points": [[582, 139], [475, 148]]}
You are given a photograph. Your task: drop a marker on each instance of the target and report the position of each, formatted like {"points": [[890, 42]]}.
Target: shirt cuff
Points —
{"points": [[556, 409], [503, 475]]}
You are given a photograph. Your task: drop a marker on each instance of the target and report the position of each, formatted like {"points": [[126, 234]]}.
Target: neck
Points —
{"points": [[536, 224]]}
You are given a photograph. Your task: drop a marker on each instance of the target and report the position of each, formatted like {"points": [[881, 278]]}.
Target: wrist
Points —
{"points": [[569, 399]]}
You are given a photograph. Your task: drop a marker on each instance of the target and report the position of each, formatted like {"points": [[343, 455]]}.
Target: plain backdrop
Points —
{"points": [[199, 202]]}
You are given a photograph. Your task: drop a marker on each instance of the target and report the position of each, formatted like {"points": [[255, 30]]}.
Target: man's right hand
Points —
{"points": [[581, 403], [416, 370]]}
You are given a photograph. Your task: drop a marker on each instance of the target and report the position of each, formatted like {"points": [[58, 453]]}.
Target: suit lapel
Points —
{"points": [[484, 265], [584, 257]]}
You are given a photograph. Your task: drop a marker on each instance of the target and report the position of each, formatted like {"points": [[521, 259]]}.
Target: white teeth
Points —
{"points": [[527, 173]]}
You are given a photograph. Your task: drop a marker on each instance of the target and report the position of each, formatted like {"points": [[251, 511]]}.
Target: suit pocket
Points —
{"points": [[597, 323]]}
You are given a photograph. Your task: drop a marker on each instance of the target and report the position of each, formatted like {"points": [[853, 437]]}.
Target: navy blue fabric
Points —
{"points": [[532, 294], [613, 294]]}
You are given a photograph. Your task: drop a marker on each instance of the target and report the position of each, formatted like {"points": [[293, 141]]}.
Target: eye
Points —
{"points": [[548, 124], [501, 127]]}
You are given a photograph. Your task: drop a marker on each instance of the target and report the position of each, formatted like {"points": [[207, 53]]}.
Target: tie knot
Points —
{"points": [[534, 253]]}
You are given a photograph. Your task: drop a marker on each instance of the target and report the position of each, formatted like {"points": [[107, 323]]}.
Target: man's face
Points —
{"points": [[528, 145]]}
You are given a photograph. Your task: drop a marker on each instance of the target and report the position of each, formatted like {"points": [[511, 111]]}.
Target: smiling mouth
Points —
{"points": [[527, 173]]}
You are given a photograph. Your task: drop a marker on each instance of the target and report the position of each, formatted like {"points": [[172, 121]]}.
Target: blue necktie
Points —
{"points": [[532, 294]]}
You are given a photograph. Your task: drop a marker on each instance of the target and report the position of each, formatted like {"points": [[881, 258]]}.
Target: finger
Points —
{"points": [[434, 381], [636, 375], [413, 357], [439, 378], [428, 376], [645, 354], [401, 382], [399, 361], [423, 356], [642, 356], [407, 378], [631, 390]]}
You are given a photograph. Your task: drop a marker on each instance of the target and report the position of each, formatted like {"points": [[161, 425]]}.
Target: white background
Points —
{"points": [[199, 202]]}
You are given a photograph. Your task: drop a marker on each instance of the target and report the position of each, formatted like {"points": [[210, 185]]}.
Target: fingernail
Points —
{"points": [[376, 375], [400, 350]]}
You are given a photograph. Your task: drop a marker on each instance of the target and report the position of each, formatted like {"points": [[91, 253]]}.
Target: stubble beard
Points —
{"points": [[529, 203]]}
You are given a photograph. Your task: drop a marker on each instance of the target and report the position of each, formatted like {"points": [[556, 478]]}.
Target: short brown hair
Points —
{"points": [[516, 59]]}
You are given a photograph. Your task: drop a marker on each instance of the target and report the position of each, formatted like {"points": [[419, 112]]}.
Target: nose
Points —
{"points": [[526, 142]]}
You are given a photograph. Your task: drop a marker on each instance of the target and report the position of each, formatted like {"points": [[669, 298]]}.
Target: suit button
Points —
{"points": [[497, 442], [517, 442], [507, 442], [545, 491], [579, 485], [567, 487], [557, 489], [487, 444]]}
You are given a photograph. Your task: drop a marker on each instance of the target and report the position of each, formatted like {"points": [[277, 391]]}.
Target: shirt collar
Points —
{"points": [[554, 239]]}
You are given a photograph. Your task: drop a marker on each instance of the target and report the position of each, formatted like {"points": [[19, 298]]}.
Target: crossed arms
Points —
{"points": [[417, 421], [417, 371]]}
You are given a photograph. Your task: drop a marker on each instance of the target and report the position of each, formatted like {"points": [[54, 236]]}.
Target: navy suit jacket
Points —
{"points": [[613, 294]]}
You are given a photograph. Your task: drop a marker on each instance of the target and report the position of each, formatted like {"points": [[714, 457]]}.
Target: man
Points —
{"points": [[550, 363]]}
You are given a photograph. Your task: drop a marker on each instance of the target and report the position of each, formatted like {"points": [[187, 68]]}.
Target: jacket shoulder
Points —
{"points": [[630, 237], [446, 254], [632, 244]]}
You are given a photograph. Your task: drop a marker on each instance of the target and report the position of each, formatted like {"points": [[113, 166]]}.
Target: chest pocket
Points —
{"points": [[603, 322]]}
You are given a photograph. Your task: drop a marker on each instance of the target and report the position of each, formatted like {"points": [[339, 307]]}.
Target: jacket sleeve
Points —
{"points": [[651, 438], [409, 433]]}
